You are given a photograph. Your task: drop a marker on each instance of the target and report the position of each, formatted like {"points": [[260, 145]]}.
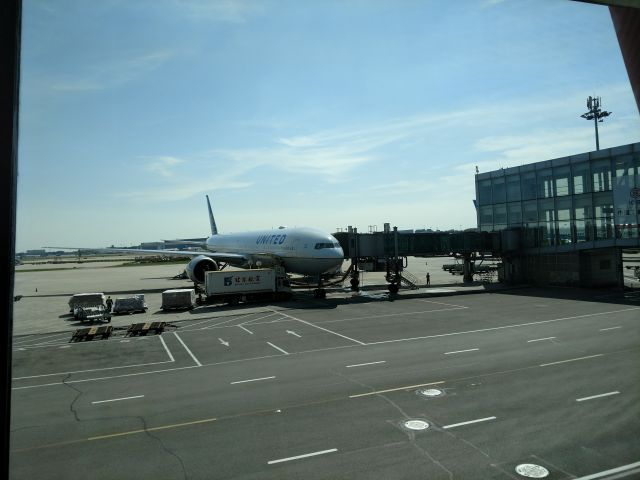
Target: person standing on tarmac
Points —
{"points": [[109, 304], [428, 279]]}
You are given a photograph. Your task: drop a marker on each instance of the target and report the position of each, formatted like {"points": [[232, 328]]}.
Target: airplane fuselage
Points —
{"points": [[300, 250]]}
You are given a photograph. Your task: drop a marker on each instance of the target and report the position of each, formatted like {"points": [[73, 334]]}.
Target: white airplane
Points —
{"points": [[306, 251]]}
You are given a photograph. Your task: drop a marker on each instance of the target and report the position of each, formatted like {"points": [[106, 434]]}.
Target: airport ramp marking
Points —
{"points": [[253, 380], [503, 327], [441, 303], [608, 394], [401, 314], [407, 387], [39, 341], [97, 379], [91, 370], [298, 457], [187, 349], [462, 351], [321, 328], [278, 348], [610, 328], [166, 349], [117, 399], [454, 425], [364, 364], [152, 429], [571, 360], [612, 471]]}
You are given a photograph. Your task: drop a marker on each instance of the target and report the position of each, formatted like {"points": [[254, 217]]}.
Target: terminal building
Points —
{"points": [[567, 220]]}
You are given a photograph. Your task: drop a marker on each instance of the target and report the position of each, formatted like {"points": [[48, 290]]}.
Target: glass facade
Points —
{"points": [[566, 201]]}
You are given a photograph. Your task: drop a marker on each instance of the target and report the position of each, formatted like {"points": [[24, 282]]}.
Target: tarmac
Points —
{"points": [[45, 291], [451, 381]]}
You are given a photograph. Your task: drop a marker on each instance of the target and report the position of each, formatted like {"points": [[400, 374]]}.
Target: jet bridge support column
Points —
{"points": [[354, 254], [394, 278], [467, 268]]}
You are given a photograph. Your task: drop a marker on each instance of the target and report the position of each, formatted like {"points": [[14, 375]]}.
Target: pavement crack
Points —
{"points": [[79, 394], [164, 447], [430, 457]]}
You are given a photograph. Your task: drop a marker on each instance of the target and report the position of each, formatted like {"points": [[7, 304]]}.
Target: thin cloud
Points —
{"points": [[163, 166], [111, 74], [335, 155], [228, 11]]}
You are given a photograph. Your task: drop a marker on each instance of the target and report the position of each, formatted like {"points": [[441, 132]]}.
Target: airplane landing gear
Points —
{"points": [[319, 293], [355, 281]]}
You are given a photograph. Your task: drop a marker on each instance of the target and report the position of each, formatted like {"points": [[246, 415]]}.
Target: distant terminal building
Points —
{"points": [[574, 215], [184, 243], [36, 253]]}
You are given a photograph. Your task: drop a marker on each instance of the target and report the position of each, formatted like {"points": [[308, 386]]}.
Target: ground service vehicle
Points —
{"points": [[247, 285]]}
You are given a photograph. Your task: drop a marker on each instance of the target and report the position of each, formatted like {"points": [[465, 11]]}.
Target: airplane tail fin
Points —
{"points": [[212, 221]]}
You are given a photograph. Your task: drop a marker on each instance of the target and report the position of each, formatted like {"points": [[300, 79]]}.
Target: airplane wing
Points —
{"points": [[232, 258]]}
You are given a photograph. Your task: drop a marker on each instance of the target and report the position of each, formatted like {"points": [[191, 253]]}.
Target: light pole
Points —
{"points": [[595, 114]]}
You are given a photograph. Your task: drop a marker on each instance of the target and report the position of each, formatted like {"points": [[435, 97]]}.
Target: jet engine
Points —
{"points": [[198, 266]]}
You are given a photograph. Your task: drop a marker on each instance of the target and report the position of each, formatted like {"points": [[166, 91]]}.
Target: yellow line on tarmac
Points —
{"points": [[133, 432], [113, 435]]}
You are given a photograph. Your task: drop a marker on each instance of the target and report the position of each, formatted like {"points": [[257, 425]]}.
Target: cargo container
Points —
{"points": [[247, 285], [86, 300], [178, 299], [130, 304]]}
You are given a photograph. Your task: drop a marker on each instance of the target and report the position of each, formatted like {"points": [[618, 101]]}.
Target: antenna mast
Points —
{"points": [[595, 114]]}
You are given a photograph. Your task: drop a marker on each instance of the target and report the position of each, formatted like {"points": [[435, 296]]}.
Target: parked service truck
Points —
{"points": [[247, 285]]}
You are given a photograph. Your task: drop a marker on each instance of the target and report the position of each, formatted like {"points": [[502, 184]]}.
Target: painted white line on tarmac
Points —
{"points": [[245, 329], [96, 379], [278, 348], [252, 380], [298, 457], [597, 396], [528, 324], [408, 387], [187, 349], [167, 349], [90, 370], [363, 364], [612, 471], [570, 360], [118, 399], [191, 329], [321, 328], [393, 315], [462, 351], [35, 341], [540, 339], [208, 327], [454, 425], [610, 328], [250, 322], [442, 303]]}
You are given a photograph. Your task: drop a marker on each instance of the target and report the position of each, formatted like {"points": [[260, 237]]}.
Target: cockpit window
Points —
{"points": [[326, 245]]}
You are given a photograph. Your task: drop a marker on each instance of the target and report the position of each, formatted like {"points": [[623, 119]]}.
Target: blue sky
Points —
{"points": [[315, 113]]}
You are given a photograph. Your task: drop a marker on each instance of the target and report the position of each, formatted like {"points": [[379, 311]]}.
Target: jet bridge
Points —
{"points": [[393, 246]]}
